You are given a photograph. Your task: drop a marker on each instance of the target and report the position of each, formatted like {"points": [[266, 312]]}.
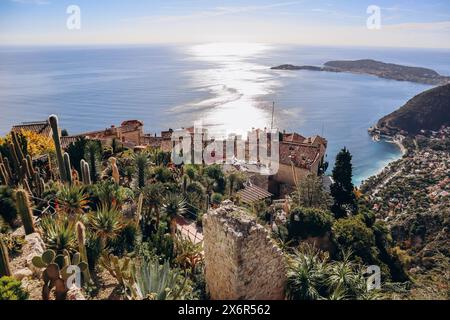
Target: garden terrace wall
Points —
{"points": [[241, 261]]}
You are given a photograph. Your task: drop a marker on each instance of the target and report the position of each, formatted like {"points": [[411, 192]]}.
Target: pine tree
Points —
{"points": [[342, 188]]}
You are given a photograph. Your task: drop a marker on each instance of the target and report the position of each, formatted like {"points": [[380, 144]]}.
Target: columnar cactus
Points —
{"points": [[115, 170], [24, 210], [67, 168], [85, 172], [81, 239], [53, 119], [39, 184], [4, 176], [30, 165], [5, 269]]}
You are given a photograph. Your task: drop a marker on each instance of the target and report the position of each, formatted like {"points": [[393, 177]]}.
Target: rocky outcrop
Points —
{"points": [[241, 261]]}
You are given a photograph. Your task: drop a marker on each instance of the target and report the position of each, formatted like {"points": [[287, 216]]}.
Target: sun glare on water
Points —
{"points": [[236, 84]]}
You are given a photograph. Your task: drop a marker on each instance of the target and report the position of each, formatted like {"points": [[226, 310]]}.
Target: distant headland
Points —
{"points": [[377, 68]]}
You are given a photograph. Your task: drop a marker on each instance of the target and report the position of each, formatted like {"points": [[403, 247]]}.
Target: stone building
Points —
{"points": [[241, 261]]}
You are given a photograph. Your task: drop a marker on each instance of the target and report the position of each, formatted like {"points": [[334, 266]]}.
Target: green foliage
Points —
{"points": [[306, 222], [76, 150], [215, 173], [216, 199], [342, 188], [10, 289], [310, 193], [8, 209], [106, 223], [353, 234], [111, 194], [59, 232], [72, 199], [125, 240], [312, 276], [162, 174], [157, 282]]}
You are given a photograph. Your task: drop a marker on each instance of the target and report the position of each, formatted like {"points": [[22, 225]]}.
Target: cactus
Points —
{"points": [[25, 170], [7, 167], [30, 164], [53, 119], [39, 185], [80, 229], [67, 168], [24, 209], [139, 208], [118, 268], [56, 273], [85, 172], [115, 170], [5, 269], [27, 187], [4, 176], [17, 146]]}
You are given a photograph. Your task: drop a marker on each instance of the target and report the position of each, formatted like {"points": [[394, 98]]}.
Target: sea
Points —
{"points": [[228, 87]]}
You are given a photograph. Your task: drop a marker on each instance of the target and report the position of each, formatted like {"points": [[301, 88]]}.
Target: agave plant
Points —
{"points": [[153, 281], [174, 205], [59, 232], [106, 223], [72, 199]]}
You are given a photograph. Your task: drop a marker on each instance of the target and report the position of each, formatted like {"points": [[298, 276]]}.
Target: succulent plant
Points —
{"points": [[57, 271], [53, 119], [5, 269], [24, 210], [118, 268]]}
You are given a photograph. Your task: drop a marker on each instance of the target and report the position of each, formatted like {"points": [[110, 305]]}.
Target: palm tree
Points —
{"points": [[106, 222], [174, 205], [72, 199], [141, 162]]}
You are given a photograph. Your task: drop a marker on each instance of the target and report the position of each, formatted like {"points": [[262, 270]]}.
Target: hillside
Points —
{"points": [[427, 111]]}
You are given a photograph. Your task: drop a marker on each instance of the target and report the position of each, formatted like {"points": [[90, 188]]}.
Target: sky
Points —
{"points": [[404, 23]]}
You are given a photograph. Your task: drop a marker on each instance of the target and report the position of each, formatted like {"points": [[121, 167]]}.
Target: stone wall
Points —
{"points": [[241, 261]]}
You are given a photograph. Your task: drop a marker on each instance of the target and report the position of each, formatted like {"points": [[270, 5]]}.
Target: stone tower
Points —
{"points": [[241, 261]]}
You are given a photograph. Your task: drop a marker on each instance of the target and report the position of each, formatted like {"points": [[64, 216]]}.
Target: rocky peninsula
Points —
{"points": [[377, 68]]}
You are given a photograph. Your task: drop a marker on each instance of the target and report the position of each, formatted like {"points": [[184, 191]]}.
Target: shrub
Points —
{"points": [[10, 289], [306, 222], [351, 233], [216, 199]]}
